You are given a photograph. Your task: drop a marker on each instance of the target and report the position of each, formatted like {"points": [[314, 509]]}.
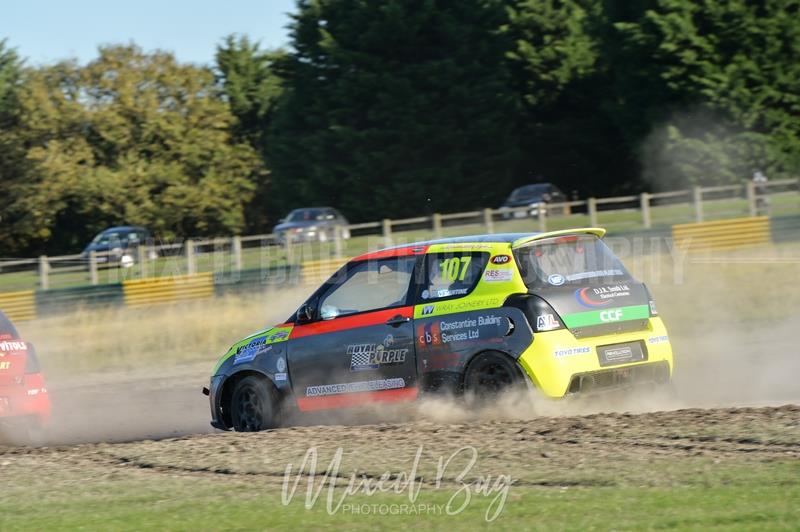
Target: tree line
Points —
{"points": [[398, 108]]}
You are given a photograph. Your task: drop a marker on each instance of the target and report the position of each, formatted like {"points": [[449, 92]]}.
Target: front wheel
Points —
{"points": [[489, 375], [253, 406]]}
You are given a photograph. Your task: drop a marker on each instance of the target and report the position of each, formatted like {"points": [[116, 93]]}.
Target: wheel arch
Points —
{"points": [[521, 373], [226, 392]]}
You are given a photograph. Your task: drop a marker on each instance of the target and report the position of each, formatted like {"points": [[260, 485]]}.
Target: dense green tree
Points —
{"points": [[730, 74], [395, 108], [129, 138], [251, 87]]}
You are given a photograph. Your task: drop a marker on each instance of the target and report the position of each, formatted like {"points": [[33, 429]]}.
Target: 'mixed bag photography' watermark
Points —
{"points": [[453, 475]]}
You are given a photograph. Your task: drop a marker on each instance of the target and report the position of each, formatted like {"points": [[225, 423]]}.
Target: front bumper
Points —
{"points": [[556, 360], [215, 402]]}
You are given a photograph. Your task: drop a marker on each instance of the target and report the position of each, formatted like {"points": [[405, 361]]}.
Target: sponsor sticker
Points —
{"points": [[427, 309], [590, 275], [372, 356], [501, 259], [662, 339], [494, 276], [546, 322], [249, 351], [593, 297], [556, 279], [355, 387], [561, 352], [7, 346], [280, 364], [280, 376], [448, 292]]}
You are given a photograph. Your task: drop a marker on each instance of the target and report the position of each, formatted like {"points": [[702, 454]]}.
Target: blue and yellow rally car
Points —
{"points": [[555, 310]]}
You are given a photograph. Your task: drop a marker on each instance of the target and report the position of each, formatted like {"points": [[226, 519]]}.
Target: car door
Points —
{"points": [[359, 346]]}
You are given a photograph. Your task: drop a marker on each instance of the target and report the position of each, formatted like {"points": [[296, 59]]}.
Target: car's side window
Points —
{"points": [[450, 275], [369, 285]]}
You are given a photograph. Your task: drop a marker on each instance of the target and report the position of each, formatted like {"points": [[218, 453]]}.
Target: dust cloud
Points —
{"points": [[128, 374]]}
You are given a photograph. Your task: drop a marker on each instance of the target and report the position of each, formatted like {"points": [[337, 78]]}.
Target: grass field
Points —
{"points": [[731, 469]]}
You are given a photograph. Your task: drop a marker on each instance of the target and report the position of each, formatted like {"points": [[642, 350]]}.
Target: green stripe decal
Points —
{"points": [[609, 315]]}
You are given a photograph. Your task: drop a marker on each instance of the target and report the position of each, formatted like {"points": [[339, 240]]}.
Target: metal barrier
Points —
{"points": [[722, 234], [318, 271], [19, 306], [143, 292]]}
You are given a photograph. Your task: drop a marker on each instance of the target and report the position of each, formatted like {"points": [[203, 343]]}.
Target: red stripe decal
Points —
{"points": [[390, 253], [307, 404], [350, 322]]}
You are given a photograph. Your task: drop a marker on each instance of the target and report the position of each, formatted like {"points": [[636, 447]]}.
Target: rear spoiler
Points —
{"points": [[599, 232]]}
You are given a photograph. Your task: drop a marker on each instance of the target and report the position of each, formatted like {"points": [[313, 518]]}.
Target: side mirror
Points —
{"points": [[305, 313]]}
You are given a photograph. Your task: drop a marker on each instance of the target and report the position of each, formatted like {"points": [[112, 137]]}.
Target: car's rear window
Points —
{"points": [[571, 259], [7, 329]]}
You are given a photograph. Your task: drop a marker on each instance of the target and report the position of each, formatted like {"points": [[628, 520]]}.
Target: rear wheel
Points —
{"points": [[491, 374], [253, 406]]}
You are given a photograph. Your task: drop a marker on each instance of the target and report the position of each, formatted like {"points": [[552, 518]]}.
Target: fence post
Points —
{"points": [[592, 205], [44, 268], [437, 225], [191, 267], [751, 198], [488, 221], [289, 245], [141, 253], [337, 241], [644, 202], [236, 251], [541, 213], [93, 268], [387, 231], [697, 193]]}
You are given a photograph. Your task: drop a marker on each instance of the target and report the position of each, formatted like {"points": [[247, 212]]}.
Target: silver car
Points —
{"points": [[312, 224]]}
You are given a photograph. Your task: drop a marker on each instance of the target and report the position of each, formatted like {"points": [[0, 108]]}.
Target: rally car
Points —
{"points": [[24, 401], [556, 311]]}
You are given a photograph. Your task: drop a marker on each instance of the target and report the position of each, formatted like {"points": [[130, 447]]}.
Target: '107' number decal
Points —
{"points": [[454, 269]]}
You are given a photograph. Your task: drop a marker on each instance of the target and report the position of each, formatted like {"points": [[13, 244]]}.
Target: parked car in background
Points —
{"points": [[118, 245], [532, 196], [312, 224], [24, 402]]}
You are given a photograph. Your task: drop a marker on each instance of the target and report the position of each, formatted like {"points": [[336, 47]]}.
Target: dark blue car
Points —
{"points": [[532, 196], [117, 245]]}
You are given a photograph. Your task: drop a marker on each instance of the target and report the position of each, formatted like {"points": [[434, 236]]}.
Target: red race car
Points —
{"points": [[24, 402]]}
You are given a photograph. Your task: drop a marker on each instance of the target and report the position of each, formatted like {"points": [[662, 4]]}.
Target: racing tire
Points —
{"points": [[489, 375], [253, 406]]}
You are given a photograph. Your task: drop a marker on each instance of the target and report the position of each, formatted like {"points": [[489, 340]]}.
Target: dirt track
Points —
{"points": [[591, 450]]}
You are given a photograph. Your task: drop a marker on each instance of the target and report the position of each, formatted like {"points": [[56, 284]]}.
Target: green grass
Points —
{"points": [[763, 496]]}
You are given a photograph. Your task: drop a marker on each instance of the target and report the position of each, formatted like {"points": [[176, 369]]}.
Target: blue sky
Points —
{"points": [[44, 31]]}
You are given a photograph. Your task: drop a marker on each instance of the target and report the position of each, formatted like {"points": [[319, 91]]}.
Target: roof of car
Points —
{"points": [[122, 228], [515, 239]]}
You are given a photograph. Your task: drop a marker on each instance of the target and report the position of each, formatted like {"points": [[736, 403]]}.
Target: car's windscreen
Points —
{"points": [[308, 215], [572, 259], [105, 238], [530, 191]]}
